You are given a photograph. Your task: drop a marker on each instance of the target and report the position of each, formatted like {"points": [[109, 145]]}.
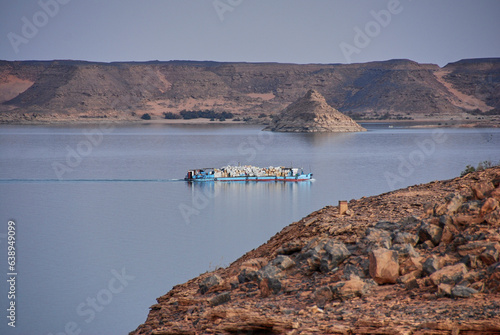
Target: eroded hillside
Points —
{"points": [[396, 89]]}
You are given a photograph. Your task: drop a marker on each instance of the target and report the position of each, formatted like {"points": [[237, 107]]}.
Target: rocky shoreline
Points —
{"points": [[420, 260], [492, 122]]}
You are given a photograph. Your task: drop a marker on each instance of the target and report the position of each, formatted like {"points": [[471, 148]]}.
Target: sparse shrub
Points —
{"points": [[261, 115], [468, 169], [206, 114], [146, 116], [480, 167], [171, 116]]}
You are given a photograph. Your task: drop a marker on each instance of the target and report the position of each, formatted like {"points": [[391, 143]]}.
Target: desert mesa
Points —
{"points": [[467, 91]]}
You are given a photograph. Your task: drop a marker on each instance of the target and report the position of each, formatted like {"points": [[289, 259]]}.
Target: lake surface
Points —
{"points": [[104, 225]]}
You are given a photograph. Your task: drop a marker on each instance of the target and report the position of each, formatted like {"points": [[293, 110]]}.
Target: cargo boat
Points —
{"points": [[248, 173]]}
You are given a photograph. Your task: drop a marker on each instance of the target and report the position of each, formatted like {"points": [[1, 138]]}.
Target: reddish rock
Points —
{"points": [[354, 287], [384, 266], [210, 282], [405, 237], [430, 232], [449, 275], [493, 282], [496, 193], [444, 289], [489, 206], [493, 218], [488, 252], [449, 233], [482, 190], [410, 264], [323, 295], [452, 204]]}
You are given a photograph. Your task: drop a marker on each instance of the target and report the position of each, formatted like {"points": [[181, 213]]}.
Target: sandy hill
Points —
{"points": [[420, 260], [311, 113]]}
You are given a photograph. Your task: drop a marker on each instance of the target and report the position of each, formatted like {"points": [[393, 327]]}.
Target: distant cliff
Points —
{"points": [[395, 89]]}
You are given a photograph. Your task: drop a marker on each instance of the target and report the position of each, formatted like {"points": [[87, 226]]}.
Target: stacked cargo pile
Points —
{"points": [[248, 170]]}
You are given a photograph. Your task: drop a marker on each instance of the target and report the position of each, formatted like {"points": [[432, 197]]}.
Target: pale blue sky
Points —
{"points": [[294, 31]]}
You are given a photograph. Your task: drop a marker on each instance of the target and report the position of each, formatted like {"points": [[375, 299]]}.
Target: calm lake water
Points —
{"points": [[104, 225]]}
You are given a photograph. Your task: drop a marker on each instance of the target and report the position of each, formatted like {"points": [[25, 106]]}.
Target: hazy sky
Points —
{"points": [[294, 31]]}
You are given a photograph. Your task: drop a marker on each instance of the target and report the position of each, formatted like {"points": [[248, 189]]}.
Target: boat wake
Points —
{"points": [[15, 181]]}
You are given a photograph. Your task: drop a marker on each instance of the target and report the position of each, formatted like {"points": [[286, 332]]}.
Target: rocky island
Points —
{"points": [[420, 260], [311, 113]]}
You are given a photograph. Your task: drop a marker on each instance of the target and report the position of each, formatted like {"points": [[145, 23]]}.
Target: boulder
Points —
{"points": [[409, 222], [488, 252], [377, 238], [482, 190], [254, 263], [352, 288], [472, 261], [283, 262], [409, 280], [352, 270], [495, 193], [322, 295], [451, 274], [404, 237], [270, 285], [430, 265], [444, 290], [471, 206], [335, 253], [410, 264], [460, 291], [387, 225], [451, 206], [444, 220], [384, 266], [449, 233], [493, 218], [270, 271], [324, 254], [209, 282], [430, 232], [489, 206], [220, 299], [248, 275], [493, 281], [290, 248], [405, 250]]}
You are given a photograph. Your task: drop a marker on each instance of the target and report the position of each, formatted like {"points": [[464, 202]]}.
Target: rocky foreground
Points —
{"points": [[421, 260]]}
